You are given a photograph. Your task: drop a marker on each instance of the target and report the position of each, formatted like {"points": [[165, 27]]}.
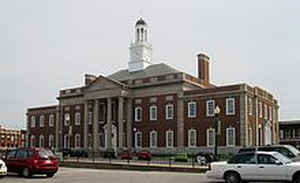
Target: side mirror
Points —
{"points": [[278, 162]]}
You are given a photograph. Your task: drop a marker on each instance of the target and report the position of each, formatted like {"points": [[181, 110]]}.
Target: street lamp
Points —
{"points": [[217, 112]]}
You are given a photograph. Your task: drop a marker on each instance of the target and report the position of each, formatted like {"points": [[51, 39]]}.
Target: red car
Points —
{"points": [[144, 155], [29, 161], [127, 155]]}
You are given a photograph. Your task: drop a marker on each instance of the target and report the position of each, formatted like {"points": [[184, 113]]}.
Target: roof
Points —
{"points": [[140, 22], [292, 122], [150, 71]]}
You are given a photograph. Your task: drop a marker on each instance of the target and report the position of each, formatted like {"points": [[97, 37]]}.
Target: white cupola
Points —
{"points": [[141, 50]]}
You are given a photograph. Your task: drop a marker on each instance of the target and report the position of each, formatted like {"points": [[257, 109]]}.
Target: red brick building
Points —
{"points": [[289, 132], [154, 106], [11, 138]]}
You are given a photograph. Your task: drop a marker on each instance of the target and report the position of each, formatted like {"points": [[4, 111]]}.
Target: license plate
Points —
{"points": [[48, 161]]}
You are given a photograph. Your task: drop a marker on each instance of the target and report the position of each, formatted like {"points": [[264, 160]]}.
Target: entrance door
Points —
{"points": [[268, 135]]}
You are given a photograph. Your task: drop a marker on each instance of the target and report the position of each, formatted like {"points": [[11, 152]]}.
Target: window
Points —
{"points": [[102, 140], [250, 106], [11, 154], [67, 119], [77, 118], [169, 111], [244, 158], [281, 134], [265, 159], [192, 138], [51, 120], [260, 109], [266, 115], [90, 141], [210, 106], [32, 141], [210, 135], [138, 139], [42, 121], [153, 139], [66, 141], [42, 141], [230, 136], [153, 113], [192, 108], [32, 121], [51, 141], [77, 141], [230, 106], [90, 118], [138, 114], [169, 138]]}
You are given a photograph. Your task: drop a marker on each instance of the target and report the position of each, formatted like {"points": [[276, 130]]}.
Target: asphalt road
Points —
{"points": [[76, 175]]}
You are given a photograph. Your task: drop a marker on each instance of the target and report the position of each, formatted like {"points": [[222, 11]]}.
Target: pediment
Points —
{"points": [[103, 83]]}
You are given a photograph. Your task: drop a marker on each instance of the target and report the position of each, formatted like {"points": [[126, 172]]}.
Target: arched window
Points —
{"points": [[32, 122], [210, 137], [51, 141], [77, 140], [153, 139], [42, 121], [32, 141], [42, 141], [169, 138], [192, 138], [51, 120], [77, 118], [67, 119], [138, 139]]}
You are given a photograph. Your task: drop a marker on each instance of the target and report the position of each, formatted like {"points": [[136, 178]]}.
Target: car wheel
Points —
{"points": [[201, 160], [26, 172], [232, 177], [297, 179], [50, 174]]}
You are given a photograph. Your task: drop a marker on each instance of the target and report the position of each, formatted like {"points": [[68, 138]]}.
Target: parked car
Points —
{"points": [[3, 169], [109, 153], [286, 150], [181, 157], [127, 155], [29, 161], [204, 158], [144, 155], [256, 166]]}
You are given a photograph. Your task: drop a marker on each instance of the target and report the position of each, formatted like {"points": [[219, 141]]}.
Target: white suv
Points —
{"points": [[256, 166]]}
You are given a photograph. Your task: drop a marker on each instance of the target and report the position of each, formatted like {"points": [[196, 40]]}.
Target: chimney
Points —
{"points": [[89, 78], [203, 67]]}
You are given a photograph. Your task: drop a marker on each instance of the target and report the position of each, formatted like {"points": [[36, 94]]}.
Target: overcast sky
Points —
{"points": [[46, 46]]}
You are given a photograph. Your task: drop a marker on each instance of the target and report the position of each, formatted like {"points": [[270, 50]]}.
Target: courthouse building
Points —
{"points": [[155, 107]]}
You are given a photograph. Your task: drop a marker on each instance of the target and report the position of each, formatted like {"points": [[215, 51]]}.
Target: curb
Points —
{"points": [[94, 165]]}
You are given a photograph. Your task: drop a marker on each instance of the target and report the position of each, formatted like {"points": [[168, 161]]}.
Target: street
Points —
{"points": [[76, 175]]}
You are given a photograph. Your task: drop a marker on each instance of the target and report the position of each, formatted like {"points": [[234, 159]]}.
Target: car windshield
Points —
{"points": [[293, 149], [46, 153], [282, 158]]}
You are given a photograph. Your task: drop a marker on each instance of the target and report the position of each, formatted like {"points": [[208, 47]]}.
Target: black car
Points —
{"points": [[75, 153], [109, 153], [204, 158]]}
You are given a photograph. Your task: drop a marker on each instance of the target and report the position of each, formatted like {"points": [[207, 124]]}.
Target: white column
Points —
{"points": [[109, 123], [85, 127], [129, 123], [95, 126], [120, 121]]}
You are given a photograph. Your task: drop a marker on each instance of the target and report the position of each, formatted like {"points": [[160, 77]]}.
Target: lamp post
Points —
{"points": [[217, 112]]}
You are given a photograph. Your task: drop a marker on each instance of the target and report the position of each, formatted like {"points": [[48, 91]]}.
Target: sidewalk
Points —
{"points": [[133, 165]]}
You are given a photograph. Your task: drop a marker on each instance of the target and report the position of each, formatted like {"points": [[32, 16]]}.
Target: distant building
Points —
{"points": [[155, 107], [290, 132], [11, 138]]}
